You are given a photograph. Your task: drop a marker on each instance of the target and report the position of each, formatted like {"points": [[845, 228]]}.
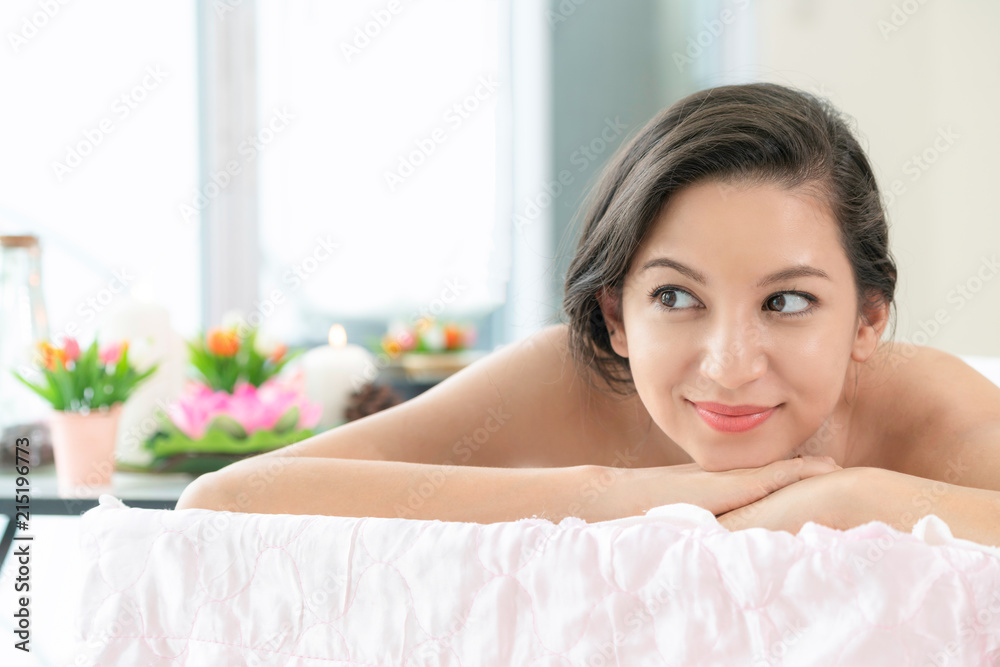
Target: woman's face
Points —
{"points": [[740, 296]]}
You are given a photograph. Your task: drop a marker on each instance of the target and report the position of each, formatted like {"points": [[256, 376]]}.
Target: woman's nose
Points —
{"points": [[734, 355]]}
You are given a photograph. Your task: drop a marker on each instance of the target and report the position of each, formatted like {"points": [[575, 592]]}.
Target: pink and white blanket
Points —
{"points": [[673, 587]]}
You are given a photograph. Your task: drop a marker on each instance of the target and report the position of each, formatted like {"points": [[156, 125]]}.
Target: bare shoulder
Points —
{"points": [[934, 413], [551, 415]]}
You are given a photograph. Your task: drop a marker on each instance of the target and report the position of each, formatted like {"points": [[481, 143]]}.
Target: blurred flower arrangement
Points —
{"points": [[425, 336], [223, 357], [235, 406], [85, 381]]}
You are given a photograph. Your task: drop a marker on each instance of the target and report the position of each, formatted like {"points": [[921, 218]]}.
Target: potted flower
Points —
{"points": [[428, 351], [224, 356], [86, 390], [236, 406], [425, 336]]}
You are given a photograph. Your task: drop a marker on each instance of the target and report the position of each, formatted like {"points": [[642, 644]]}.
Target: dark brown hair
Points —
{"points": [[747, 134]]}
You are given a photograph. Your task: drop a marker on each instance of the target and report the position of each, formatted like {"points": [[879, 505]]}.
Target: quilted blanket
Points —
{"points": [[672, 587]]}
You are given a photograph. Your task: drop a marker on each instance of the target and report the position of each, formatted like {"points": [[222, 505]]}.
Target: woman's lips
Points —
{"points": [[739, 418]]}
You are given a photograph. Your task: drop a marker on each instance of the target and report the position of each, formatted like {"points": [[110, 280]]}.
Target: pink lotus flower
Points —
{"points": [[252, 407]]}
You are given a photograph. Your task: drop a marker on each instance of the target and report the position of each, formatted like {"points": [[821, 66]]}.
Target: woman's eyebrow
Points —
{"points": [[799, 271]]}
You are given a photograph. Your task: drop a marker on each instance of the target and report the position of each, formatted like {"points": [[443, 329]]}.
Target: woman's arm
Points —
{"points": [[518, 406], [394, 489], [972, 514], [854, 496]]}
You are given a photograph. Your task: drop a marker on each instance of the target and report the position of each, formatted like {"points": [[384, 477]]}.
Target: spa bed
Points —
{"points": [[673, 587]]}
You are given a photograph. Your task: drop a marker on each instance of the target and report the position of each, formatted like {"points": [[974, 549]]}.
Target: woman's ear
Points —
{"points": [[870, 330], [611, 310]]}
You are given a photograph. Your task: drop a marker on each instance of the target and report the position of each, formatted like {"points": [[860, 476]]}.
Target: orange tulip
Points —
{"points": [[452, 337], [223, 343], [52, 356], [279, 352]]}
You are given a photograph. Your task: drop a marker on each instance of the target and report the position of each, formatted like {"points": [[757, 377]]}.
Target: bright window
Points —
{"points": [[100, 139], [390, 154]]}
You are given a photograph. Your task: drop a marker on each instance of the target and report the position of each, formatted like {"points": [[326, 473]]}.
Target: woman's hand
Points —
{"points": [[634, 491], [841, 499]]}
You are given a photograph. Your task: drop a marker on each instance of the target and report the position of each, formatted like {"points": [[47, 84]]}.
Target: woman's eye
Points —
{"points": [[675, 298], [785, 303], [794, 302]]}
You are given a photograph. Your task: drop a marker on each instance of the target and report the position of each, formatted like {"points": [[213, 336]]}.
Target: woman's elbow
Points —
{"points": [[208, 491]]}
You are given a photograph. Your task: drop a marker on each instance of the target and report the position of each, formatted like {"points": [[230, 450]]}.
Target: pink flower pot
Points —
{"points": [[84, 450]]}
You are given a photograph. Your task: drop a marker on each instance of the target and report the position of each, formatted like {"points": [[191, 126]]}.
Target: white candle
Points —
{"points": [[136, 318], [333, 372]]}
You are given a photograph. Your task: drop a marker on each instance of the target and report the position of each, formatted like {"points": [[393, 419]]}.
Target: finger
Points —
{"points": [[779, 474], [828, 459], [793, 470]]}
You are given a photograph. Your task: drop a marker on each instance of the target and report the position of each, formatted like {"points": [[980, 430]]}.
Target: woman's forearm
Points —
{"points": [[392, 489], [901, 500], [971, 514]]}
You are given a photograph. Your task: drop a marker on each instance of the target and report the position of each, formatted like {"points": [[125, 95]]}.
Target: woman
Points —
{"points": [[724, 309]]}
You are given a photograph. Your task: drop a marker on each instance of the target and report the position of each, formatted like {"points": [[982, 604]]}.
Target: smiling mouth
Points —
{"points": [[736, 419]]}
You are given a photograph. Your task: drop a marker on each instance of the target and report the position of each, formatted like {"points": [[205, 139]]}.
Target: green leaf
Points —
{"points": [[141, 377], [122, 367], [150, 443], [284, 360], [47, 392], [166, 423], [70, 399], [164, 445], [287, 420]]}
